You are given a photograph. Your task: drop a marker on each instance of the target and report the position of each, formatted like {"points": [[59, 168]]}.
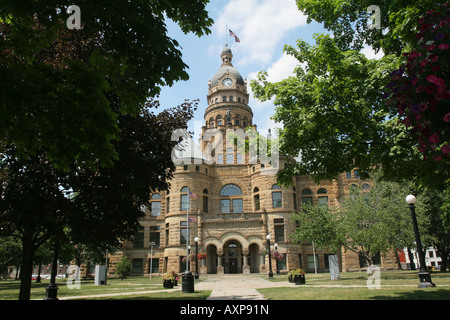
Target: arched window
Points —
{"points": [[307, 196], [184, 199], [322, 191], [156, 205], [277, 201], [211, 123], [245, 122], [219, 120], [366, 187], [231, 199], [237, 120]]}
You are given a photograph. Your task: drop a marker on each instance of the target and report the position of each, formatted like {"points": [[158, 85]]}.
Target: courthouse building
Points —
{"points": [[236, 203]]}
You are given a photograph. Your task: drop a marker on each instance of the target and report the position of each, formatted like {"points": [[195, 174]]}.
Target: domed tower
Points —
{"points": [[227, 97]]}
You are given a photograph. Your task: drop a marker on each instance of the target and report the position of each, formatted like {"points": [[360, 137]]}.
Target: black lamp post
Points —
{"points": [[424, 275], [270, 258], [196, 258]]}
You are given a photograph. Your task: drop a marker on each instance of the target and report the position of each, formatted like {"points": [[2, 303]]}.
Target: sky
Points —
{"points": [[264, 27]]}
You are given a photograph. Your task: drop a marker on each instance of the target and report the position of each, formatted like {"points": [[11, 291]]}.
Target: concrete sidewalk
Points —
{"points": [[237, 287]]}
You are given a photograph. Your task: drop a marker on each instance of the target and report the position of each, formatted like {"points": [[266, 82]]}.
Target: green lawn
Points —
{"points": [[352, 286], [9, 289], [395, 285]]}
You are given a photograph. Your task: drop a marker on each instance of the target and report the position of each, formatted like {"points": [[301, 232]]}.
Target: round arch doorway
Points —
{"points": [[233, 259]]}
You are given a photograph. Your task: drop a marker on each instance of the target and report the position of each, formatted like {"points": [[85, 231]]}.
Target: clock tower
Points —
{"points": [[227, 97]]}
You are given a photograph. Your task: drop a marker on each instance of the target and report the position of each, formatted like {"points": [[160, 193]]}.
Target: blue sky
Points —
{"points": [[263, 27]]}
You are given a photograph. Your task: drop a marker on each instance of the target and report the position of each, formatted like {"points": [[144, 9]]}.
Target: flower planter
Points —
{"points": [[297, 276], [299, 279], [168, 284]]}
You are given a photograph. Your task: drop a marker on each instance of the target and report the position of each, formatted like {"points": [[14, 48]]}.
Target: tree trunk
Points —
{"points": [[27, 268]]}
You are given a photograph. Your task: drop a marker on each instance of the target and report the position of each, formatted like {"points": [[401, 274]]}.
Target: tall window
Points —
{"points": [[138, 240], [230, 156], [155, 235], [183, 232], [219, 120], [294, 198], [184, 199], [277, 201], [256, 202], [156, 205], [279, 230], [322, 197], [307, 196], [231, 199]]}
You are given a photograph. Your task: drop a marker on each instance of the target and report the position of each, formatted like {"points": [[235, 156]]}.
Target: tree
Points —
{"points": [[106, 203], [123, 267], [56, 83], [334, 111], [32, 207], [366, 223]]}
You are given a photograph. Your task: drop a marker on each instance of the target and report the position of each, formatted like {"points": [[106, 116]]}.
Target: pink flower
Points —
{"points": [[439, 96], [434, 138], [423, 63], [432, 78], [443, 46], [414, 81], [437, 158], [419, 89], [445, 149], [447, 117]]}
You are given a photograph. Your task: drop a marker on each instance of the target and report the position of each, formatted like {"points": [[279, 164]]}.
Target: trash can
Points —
{"points": [[187, 283]]}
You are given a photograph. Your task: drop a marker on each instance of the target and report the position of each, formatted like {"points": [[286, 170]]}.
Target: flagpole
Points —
{"points": [[187, 240], [226, 35]]}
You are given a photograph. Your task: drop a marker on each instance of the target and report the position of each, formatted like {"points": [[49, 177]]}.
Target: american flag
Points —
{"points": [[192, 195], [190, 219], [233, 35]]}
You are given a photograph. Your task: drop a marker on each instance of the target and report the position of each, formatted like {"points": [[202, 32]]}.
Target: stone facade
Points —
{"points": [[236, 205]]}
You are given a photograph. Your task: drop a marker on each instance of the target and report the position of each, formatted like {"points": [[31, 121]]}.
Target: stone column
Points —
{"points": [[220, 268], [245, 267]]}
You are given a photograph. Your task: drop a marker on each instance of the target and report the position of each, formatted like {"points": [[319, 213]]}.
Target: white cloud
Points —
{"points": [[260, 26], [370, 53]]}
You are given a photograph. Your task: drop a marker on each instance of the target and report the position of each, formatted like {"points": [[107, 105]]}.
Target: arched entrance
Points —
{"points": [[232, 253]]}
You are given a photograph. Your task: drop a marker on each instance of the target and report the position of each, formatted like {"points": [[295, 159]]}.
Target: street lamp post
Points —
{"points": [[276, 249], [151, 258], [424, 275], [196, 258], [270, 258]]}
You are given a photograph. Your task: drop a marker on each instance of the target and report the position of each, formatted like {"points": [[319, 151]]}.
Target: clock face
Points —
{"points": [[227, 82]]}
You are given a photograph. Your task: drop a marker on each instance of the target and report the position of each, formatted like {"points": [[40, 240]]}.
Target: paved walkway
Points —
{"points": [[237, 287]]}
